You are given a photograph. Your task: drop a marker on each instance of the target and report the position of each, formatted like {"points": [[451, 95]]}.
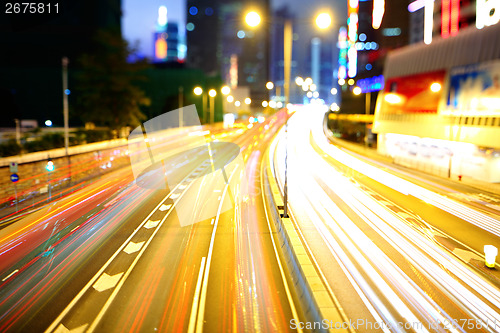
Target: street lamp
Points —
{"points": [[49, 167], [357, 91], [252, 19], [323, 20], [212, 93], [199, 91]]}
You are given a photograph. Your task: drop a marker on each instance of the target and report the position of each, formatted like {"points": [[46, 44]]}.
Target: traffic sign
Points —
{"points": [[13, 167], [14, 177]]}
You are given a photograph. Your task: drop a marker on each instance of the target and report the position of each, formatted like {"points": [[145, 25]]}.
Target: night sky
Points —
{"points": [[139, 16]]}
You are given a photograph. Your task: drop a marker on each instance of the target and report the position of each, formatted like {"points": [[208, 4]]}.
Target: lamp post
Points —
{"points": [[323, 21], [199, 91], [65, 62], [357, 91], [49, 167], [212, 93]]}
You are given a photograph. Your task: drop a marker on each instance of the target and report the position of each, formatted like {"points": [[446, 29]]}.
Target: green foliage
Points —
{"points": [[83, 136], [10, 148], [106, 89], [45, 142]]}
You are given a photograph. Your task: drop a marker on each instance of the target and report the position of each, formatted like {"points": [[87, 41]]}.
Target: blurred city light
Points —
{"points": [[264, 104], [225, 90], [48, 123], [248, 101], [392, 98], [356, 91], [323, 20], [435, 87], [198, 91], [490, 253], [50, 165], [230, 99], [252, 19], [269, 85], [333, 91], [162, 16], [378, 13], [299, 81], [237, 103], [212, 93]]}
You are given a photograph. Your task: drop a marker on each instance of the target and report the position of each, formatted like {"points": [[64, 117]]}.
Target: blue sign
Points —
{"points": [[370, 84], [14, 177]]}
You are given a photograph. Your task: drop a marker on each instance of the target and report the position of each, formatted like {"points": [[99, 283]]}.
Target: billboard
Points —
{"points": [[475, 88], [419, 93]]}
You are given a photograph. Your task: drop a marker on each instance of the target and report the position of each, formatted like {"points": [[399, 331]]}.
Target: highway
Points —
{"points": [[393, 252], [120, 257], [188, 245]]}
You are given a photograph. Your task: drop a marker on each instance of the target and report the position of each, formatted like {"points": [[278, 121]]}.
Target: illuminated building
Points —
{"points": [[166, 38], [381, 26], [220, 43], [442, 19], [440, 108]]}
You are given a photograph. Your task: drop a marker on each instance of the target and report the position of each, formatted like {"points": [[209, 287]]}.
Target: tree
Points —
{"points": [[105, 87]]}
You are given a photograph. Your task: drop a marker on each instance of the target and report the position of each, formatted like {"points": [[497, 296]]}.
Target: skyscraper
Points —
{"points": [[219, 42]]}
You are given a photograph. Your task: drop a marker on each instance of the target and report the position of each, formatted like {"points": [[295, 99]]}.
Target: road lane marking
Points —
{"points": [[84, 290], [106, 281], [196, 298], [203, 297], [122, 281], [151, 224], [181, 187], [165, 207], [78, 226], [96, 276], [466, 255], [133, 247], [282, 273], [13, 272], [62, 329], [174, 195]]}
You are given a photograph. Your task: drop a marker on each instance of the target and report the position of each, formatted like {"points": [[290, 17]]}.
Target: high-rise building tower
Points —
{"points": [[219, 42], [166, 38]]}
